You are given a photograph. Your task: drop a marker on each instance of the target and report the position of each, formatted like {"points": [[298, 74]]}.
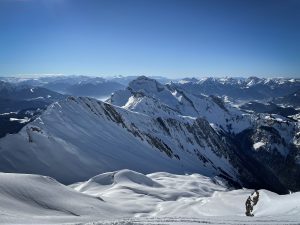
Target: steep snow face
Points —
{"points": [[157, 198], [152, 98], [83, 137]]}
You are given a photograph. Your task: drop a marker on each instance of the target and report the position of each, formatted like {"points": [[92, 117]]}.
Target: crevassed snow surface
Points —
{"points": [[128, 197]]}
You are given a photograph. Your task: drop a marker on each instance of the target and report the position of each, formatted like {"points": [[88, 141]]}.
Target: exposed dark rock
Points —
{"points": [[251, 201]]}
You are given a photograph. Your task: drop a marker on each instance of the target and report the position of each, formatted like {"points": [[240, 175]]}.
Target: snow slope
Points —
{"points": [[129, 197], [37, 199], [168, 195], [83, 137]]}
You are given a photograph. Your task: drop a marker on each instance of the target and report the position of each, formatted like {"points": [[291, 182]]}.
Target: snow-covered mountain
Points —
{"points": [[146, 95], [150, 97], [205, 146], [125, 80], [20, 103], [238, 88], [72, 85], [151, 127], [25, 92], [252, 88], [129, 197], [97, 137]]}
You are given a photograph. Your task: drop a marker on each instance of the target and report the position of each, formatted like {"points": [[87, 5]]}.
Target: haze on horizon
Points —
{"points": [[169, 38]]}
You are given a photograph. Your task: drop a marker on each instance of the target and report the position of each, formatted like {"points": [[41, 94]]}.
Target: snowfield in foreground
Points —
{"points": [[128, 197]]}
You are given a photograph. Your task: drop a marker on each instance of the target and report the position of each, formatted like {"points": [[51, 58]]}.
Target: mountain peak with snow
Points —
{"points": [[145, 85]]}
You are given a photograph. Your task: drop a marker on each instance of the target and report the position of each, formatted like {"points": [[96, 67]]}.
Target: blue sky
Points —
{"points": [[155, 37]]}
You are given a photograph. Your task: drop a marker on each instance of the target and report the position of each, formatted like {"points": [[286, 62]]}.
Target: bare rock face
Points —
{"points": [[272, 150], [251, 202]]}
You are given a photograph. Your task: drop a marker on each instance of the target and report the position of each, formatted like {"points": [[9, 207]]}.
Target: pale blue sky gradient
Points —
{"points": [[156, 37]]}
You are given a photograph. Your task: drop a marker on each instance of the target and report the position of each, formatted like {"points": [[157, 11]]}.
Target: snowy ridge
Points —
{"points": [[113, 138]]}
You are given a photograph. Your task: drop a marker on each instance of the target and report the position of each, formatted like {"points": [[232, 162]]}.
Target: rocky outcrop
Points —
{"points": [[251, 201]]}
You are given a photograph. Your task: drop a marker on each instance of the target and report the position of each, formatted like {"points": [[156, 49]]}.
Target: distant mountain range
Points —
{"points": [[252, 88], [96, 87], [20, 103]]}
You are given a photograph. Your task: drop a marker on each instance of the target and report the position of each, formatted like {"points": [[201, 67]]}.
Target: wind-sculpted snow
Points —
{"points": [[158, 193], [170, 195], [129, 197], [33, 198]]}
